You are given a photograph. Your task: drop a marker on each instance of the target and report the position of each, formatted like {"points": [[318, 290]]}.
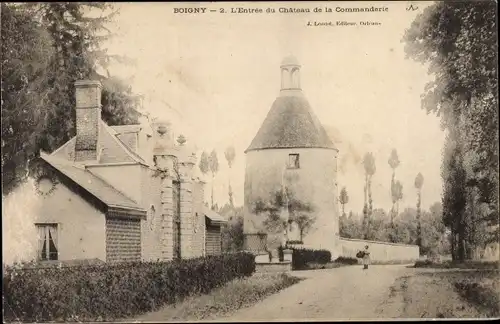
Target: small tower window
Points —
{"points": [[293, 161]]}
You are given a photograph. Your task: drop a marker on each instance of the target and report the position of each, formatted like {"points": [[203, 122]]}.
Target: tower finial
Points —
{"points": [[290, 73]]}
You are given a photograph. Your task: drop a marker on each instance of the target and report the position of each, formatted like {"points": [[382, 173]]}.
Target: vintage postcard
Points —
{"points": [[249, 161]]}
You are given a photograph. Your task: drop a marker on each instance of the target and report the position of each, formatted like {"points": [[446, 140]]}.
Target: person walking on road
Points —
{"points": [[366, 258]]}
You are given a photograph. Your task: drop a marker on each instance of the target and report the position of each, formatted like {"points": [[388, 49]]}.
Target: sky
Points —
{"points": [[215, 76]]}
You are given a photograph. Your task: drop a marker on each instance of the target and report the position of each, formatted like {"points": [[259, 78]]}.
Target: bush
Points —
{"points": [[302, 257], [346, 260], [294, 242], [107, 292]]}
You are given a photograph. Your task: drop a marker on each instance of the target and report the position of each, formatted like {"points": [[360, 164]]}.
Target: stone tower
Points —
{"points": [[292, 151]]}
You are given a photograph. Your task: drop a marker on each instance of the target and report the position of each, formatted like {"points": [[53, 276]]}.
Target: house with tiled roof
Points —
{"points": [[120, 193]]}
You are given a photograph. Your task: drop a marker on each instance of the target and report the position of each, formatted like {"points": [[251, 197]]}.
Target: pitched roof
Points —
{"points": [[92, 184], [213, 216], [122, 129], [291, 123], [113, 149]]}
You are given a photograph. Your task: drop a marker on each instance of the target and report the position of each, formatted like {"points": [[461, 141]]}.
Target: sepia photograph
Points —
{"points": [[249, 161]]}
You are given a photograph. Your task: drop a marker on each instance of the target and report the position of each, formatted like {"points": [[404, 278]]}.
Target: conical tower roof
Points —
{"points": [[291, 123]]}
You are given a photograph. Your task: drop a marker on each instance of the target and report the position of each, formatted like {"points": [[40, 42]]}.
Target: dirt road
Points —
{"points": [[340, 294]]}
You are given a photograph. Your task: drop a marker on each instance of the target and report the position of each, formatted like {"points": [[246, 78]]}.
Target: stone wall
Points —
{"points": [[267, 267], [166, 222], [151, 227], [379, 251], [186, 218], [199, 226]]}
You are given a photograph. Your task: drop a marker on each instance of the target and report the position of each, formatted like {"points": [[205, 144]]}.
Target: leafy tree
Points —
{"points": [[343, 199], [230, 154], [369, 165], [379, 226], [397, 192], [55, 45], [459, 41], [26, 53], [350, 227], [232, 232], [419, 181], [298, 212], [393, 163], [204, 166], [213, 164]]}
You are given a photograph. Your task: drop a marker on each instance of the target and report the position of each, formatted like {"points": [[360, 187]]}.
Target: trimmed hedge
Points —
{"points": [[108, 292], [346, 260], [294, 242], [302, 257]]}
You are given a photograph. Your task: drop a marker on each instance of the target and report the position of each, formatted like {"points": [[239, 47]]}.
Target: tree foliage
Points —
{"points": [[26, 52], [393, 163], [419, 182], [232, 232], [404, 229], [297, 212], [213, 164], [230, 154], [370, 168], [458, 40], [204, 166], [46, 47], [343, 199]]}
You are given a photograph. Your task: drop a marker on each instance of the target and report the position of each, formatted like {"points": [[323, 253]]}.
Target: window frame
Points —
{"points": [[294, 164], [40, 248]]}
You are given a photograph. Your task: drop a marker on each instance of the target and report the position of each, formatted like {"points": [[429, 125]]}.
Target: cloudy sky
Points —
{"points": [[215, 76]]}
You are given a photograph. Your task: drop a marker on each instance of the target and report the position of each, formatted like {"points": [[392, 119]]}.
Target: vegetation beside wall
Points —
{"points": [[302, 257]]}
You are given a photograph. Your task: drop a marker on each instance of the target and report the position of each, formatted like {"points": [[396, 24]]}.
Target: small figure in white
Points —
{"points": [[366, 258]]}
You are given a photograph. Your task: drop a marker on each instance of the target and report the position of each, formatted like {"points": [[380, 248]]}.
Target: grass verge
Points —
{"points": [[223, 301], [481, 290], [489, 265], [448, 294]]}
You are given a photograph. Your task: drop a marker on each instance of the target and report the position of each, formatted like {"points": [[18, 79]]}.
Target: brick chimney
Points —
{"points": [[88, 116]]}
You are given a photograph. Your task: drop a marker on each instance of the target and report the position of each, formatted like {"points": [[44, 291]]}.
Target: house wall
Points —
{"points": [[314, 182], [379, 251], [81, 227], [145, 146], [126, 178]]}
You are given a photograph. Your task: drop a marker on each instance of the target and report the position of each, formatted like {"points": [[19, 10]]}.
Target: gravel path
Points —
{"points": [[332, 294]]}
